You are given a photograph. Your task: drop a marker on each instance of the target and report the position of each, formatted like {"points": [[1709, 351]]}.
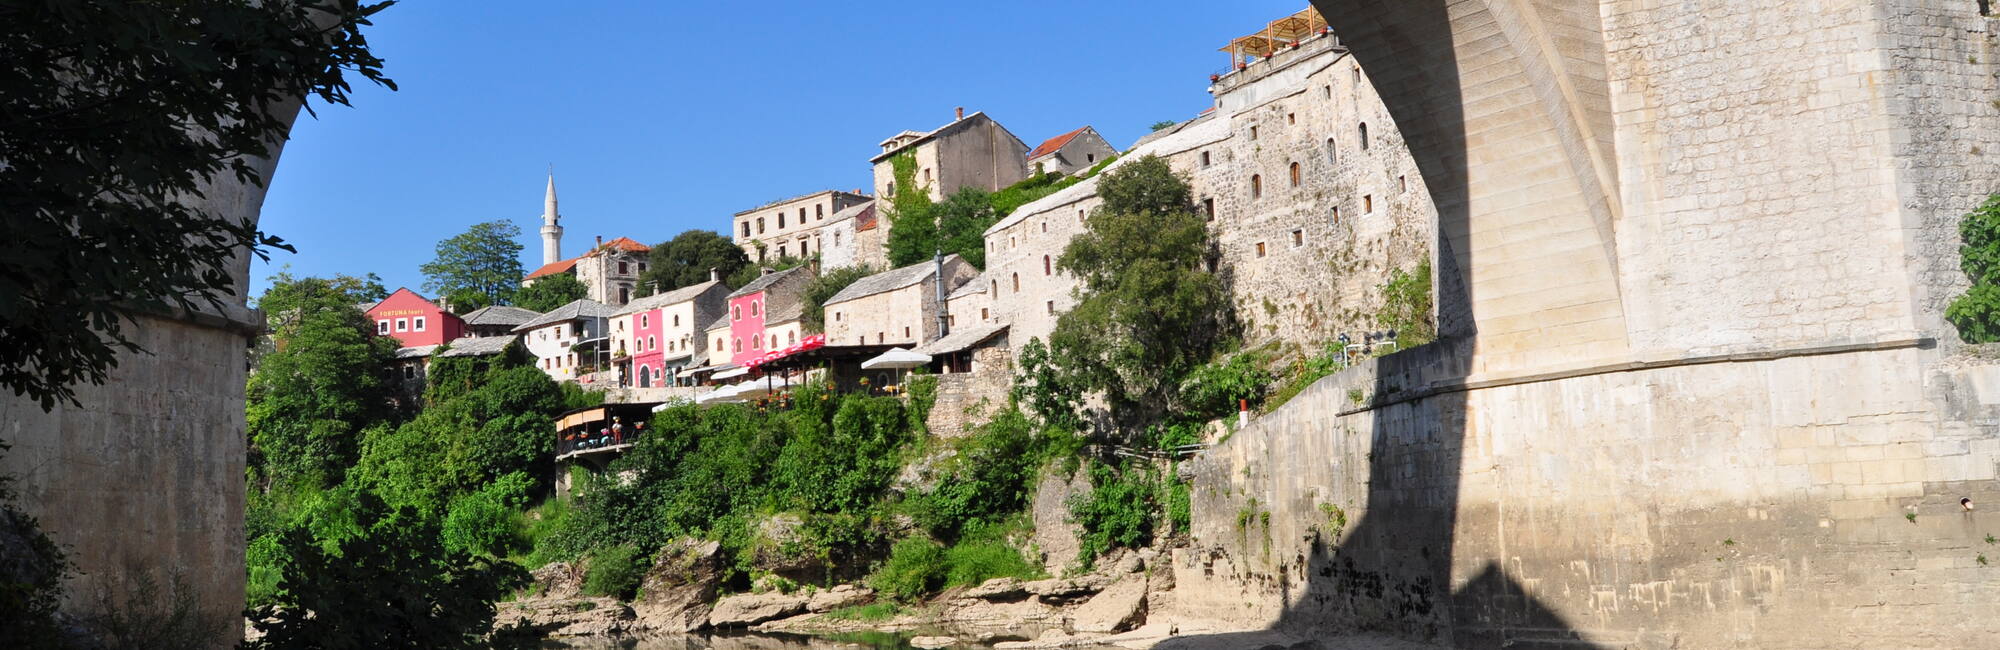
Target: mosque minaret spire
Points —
{"points": [[551, 226]]}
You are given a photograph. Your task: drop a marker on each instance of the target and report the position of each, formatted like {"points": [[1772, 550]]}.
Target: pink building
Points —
{"points": [[655, 337], [414, 321], [764, 314]]}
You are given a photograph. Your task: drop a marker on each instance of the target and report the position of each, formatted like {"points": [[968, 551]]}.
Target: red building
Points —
{"points": [[414, 321]]}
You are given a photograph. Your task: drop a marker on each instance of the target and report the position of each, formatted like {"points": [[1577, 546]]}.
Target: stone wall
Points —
{"points": [[1780, 502], [968, 399]]}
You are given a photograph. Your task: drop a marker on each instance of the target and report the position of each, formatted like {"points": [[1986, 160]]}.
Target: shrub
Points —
{"points": [[484, 522], [870, 613], [1117, 512], [1213, 390], [971, 562], [915, 568], [615, 571]]}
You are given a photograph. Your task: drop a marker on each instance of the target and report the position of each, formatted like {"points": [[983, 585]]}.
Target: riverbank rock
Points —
{"points": [[675, 594], [1121, 606], [1048, 639], [1060, 589], [839, 597], [1056, 535], [560, 579], [750, 609], [997, 589], [565, 617], [933, 642]]}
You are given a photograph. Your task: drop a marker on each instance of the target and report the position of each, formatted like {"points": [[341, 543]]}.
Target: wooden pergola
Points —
{"points": [[1274, 37]]}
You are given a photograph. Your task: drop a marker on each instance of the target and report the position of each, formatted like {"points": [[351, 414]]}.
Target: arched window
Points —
{"points": [[1364, 136], [753, 308], [739, 345], [736, 313], [995, 287], [791, 338], [1295, 174], [645, 376], [1332, 156], [1257, 187], [1017, 282]]}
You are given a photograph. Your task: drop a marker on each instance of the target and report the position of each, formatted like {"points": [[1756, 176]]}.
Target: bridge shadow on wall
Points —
{"points": [[1392, 573]]}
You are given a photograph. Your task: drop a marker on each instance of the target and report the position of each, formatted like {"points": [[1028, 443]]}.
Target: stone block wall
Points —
{"points": [[966, 400], [1781, 502]]}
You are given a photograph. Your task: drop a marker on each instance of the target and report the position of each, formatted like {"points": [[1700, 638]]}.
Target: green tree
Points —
{"points": [[824, 287], [117, 114], [1163, 125], [287, 295], [550, 292], [1148, 310], [392, 585], [685, 261], [1406, 307], [1977, 313], [912, 230], [962, 220], [327, 380], [481, 265]]}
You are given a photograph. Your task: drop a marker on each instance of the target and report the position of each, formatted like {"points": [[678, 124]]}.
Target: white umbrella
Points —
{"points": [[719, 395], [897, 359], [732, 374]]}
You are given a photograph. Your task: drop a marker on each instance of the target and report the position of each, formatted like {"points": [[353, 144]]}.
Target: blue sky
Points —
{"points": [[665, 116]]}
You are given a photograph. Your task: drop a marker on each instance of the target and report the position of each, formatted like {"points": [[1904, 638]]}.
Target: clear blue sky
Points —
{"points": [[666, 116]]}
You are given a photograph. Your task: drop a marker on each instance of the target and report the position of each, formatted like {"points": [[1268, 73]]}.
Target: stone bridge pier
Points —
{"points": [[1696, 389]]}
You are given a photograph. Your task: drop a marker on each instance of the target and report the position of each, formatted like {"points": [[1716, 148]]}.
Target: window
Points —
{"points": [[819, 211], [753, 308], [1045, 226], [836, 238], [1079, 215], [1364, 136], [760, 225], [652, 343], [781, 221], [951, 320], [1295, 174], [677, 320], [642, 267], [1048, 268], [1331, 156], [1208, 208], [1402, 184], [417, 324], [624, 268], [624, 295], [737, 344], [382, 327], [836, 317], [1256, 187], [1052, 306], [645, 320], [1291, 118], [888, 191], [1090, 157], [995, 287], [792, 338], [1336, 214], [782, 251], [1367, 204], [982, 313], [736, 313], [1328, 91], [774, 342], [1017, 283], [1253, 133], [1357, 74], [802, 214], [906, 332], [1298, 238], [880, 337], [718, 344], [805, 247], [927, 174], [1260, 249], [402, 324], [746, 229], [1204, 163], [1013, 242], [409, 372]]}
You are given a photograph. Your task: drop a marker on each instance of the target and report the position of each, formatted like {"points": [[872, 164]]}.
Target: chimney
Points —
{"points": [[600, 241], [961, 112], [714, 275]]}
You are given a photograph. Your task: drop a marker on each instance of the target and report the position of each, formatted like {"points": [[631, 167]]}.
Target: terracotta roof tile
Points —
{"points": [[1055, 144], [551, 269]]}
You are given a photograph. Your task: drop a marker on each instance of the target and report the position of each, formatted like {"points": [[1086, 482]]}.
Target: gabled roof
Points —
{"points": [[721, 322], [972, 288], [392, 294], [890, 280], [1055, 144], [765, 281], [922, 137], [675, 297], [500, 315], [553, 268], [1195, 133], [624, 244], [417, 352], [582, 308], [478, 347]]}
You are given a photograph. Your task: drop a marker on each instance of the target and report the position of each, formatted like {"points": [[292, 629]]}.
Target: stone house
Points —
{"points": [[792, 227], [655, 337], [895, 307], [569, 342], [970, 305], [497, 320], [975, 371], [1312, 200], [1070, 153], [610, 270], [972, 151], [717, 333], [852, 237], [767, 312]]}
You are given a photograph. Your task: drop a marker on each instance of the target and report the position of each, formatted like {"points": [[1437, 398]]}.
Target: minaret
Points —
{"points": [[551, 230]]}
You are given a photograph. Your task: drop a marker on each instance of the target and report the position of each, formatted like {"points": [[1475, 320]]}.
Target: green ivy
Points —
{"points": [[1976, 314]]}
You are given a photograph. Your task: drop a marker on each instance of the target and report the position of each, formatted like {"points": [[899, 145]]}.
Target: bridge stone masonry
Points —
{"points": [[1696, 389]]}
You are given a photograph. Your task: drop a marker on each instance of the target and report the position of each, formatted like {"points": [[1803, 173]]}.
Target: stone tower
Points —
{"points": [[551, 229]]}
